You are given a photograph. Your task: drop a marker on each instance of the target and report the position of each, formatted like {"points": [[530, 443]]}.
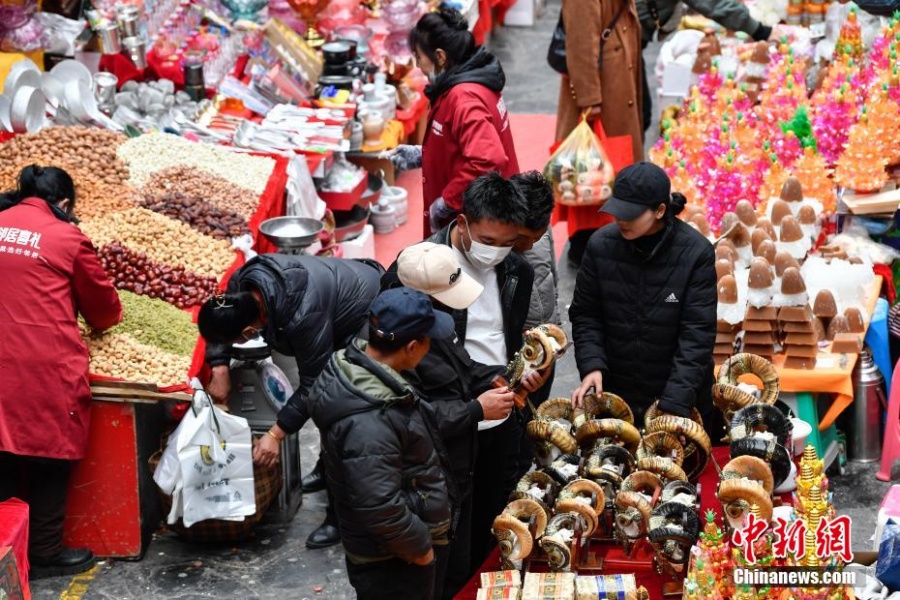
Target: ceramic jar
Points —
{"points": [[373, 127]]}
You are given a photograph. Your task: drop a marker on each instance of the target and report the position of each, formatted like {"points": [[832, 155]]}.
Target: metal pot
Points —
{"points": [[373, 190], [349, 224], [342, 82], [337, 53]]}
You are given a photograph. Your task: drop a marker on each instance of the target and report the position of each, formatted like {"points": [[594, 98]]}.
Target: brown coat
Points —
{"points": [[616, 87]]}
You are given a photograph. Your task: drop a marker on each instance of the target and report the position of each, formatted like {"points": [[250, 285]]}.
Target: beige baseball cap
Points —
{"points": [[433, 269]]}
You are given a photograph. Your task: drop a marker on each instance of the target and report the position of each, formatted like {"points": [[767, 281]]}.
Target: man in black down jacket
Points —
{"points": [[303, 306], [491, 329], [644, 310], [381, 451]]}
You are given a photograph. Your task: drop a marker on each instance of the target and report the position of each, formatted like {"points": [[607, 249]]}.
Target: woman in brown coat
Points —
{"points": [[609, 88]]}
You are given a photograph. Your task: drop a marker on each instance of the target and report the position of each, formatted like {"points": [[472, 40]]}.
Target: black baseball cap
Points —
{"points": [[402, 315], [638, 187]]}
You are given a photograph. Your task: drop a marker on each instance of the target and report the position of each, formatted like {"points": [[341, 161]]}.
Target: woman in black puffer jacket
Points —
{"points": [[644, 311]]}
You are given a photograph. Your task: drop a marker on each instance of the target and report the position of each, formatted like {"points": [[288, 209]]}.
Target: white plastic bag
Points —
{"points": [[207, 466], [216, 466]]}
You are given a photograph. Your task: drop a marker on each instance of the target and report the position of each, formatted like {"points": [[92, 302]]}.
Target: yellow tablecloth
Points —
{"points": [[833, 372]]}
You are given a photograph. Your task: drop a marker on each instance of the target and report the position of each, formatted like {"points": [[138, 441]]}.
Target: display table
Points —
{"points": [[651, 580], [833, 373], [113, 508], [14, 549]]}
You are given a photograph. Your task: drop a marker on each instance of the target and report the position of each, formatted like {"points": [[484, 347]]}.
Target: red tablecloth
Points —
{"points": [[708, 481], [14, 533]]}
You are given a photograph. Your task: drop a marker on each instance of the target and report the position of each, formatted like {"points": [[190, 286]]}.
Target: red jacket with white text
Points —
{"points": [[468, 131], [50, 274]]}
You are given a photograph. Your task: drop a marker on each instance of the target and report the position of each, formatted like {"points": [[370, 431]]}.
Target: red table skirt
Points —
{"points": [[14, 533], [708, 482]]}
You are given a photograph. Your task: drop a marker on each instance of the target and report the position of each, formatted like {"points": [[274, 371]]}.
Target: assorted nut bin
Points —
{"points": [[121, 356], [157, 323], [161, 211], [162, 239], [154, 152], [191, 181], [88, 155]]}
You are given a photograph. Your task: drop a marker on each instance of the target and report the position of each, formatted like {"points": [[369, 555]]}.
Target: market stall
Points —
{"points": [[609, 510]]}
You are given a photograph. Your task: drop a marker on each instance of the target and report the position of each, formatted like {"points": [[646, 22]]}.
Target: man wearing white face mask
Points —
{"points": [[491, 328]]}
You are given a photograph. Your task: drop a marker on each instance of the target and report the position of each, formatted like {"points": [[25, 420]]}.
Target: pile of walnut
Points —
{"points": [[88, 155]]}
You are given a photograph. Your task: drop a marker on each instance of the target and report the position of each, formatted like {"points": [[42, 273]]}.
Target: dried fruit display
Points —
{"points": [[199, 214]]}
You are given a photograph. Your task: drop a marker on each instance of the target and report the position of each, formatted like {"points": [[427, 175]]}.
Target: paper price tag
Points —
{"points": [[817, 31]]}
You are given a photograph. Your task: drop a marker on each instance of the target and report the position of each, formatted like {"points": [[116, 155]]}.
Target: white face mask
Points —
{"points": [[484, 256]]}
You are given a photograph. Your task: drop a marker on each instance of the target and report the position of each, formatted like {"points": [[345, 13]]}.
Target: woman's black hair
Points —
{"points": [[51, 184], [224, 316], [445, 30], [675, 205]]}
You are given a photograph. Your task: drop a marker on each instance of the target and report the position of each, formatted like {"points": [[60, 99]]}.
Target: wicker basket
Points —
{"points": [[268, 483]]}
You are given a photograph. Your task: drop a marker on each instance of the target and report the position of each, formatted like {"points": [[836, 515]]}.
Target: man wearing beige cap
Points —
{"points": [[458, 387]]}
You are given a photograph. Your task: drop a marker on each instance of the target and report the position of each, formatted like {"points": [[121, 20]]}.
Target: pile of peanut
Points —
{"points": [[121, 356]]}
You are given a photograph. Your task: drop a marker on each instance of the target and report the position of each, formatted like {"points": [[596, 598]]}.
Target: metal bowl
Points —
{"points": [[349, 224], [27, 113], [255, 349], [21, 74], [291, 233]]}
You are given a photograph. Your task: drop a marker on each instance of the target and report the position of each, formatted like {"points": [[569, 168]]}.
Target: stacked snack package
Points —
{"points": [[500, 585], [549, 586], [607, 586]]}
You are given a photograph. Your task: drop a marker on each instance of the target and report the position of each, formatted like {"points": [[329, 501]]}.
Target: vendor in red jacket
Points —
{"points": [[468, 131], [51, 274]]}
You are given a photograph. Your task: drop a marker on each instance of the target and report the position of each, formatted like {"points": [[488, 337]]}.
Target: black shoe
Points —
{"points": [[325, 535], [314, 482], [70, 561]]}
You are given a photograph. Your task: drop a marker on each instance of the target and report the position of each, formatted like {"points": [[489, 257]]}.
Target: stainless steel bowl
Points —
{"points": [[291, 233]]}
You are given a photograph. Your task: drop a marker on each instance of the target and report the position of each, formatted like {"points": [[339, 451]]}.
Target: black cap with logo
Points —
{"points": [[638, 187]]}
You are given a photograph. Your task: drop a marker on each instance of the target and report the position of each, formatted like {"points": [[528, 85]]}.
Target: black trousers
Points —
{"points": [[646, 97], [578, 244], [44, 484], [495, 477], [392, 579], [459, 558]]}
